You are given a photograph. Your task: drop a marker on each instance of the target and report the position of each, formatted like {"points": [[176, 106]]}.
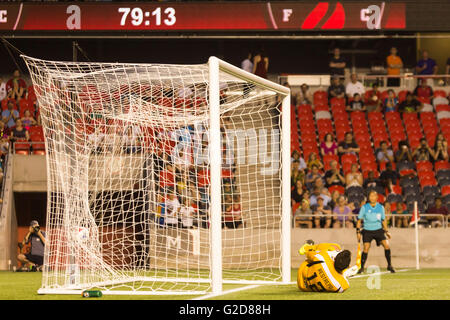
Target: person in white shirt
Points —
{"points": [[354, 86], [247, 63], [172, 209], [187, 212], [3, 92]]}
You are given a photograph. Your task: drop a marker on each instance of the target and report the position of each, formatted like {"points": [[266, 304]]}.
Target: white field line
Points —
{"points": [[376, 273], [212, 295]]}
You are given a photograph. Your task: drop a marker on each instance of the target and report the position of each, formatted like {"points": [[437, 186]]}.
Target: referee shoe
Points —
{"points": [[391, 269], [361, 270]]}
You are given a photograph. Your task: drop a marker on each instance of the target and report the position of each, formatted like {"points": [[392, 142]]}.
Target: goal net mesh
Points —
{"points": [[128, 177]]}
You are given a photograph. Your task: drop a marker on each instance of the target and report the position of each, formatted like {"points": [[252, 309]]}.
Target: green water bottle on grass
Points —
{"points": [[91, 294]]}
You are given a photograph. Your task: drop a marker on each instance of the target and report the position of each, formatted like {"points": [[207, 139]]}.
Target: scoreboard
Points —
{"points": [[278, 16]]}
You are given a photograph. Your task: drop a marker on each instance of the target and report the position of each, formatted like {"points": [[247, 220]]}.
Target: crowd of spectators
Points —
{"points": [[321, 190]]}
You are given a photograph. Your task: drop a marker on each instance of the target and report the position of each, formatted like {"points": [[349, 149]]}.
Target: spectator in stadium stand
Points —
{"points": [[385, 154], [296, 156], [187, 212], [28, 120], [410, 104], [247, 63], [336, 89], [298, 193], [423, 90], [354, 86], [3, 92], [319, 183], [305, 96], [337, 64], [172, 206], [16, 86], [313, 159], [349, 145], [294, 97], [261, 64], [373, 101], [400, 213], [322, 214], [389, 176], [311, 177], [354, 177], [343, 214], [356, 104], [303, 215], [296, 173], [328, 145], [371, 181], [10, 115], [438, 208], [403, 154], [423, 152], [334, 199], [426, 65], [334, 176], [19, 132], [319, 192], [391, 102], [440, 149], [394, 65]]}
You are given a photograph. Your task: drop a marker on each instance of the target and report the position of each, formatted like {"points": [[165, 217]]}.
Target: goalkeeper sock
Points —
{"points": [[387, 254], [363, 259]]}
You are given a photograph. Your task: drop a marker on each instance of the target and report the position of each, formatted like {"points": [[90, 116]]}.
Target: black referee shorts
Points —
{"points": [[39, 260], [377, 235]]}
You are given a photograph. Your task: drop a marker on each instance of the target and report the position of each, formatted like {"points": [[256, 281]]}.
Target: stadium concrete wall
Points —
{"points": [[433, 245], [30, 175]]}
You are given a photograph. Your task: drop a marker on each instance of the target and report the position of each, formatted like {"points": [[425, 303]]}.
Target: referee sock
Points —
{"points": [[363, 259], [387, 254]]}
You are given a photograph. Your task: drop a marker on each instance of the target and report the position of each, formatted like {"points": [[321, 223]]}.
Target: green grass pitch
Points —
{"points": [[425, 284]]}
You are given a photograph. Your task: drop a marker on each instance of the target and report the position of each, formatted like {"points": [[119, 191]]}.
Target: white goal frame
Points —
{"points": [[216, 66]]}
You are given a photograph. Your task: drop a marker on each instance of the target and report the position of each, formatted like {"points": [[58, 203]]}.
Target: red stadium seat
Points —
{"points": [[330, 157], [376, 174], [349, 158], [337, 101], [441, 165], [442, 107], [445, 190], [440, 93], [402, 95], [320, 95], [22, 148], [381, 198], [340, 189], [424, 166]]}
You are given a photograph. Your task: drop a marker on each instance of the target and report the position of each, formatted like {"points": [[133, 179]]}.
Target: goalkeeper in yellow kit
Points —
{"points": [[325, 268]]}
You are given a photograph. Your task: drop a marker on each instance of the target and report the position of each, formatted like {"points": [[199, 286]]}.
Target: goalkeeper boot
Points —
{"points": [[391, 269]]}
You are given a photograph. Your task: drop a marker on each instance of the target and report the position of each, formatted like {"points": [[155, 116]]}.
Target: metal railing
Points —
{"points": [[392, 218], [408, 81]]}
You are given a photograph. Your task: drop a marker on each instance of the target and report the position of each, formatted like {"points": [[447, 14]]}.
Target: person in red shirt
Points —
{"points": [[423, 90], [438, 208], [16, 86]]}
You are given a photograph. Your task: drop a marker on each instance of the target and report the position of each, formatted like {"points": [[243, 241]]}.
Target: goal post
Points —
{"points": [[163, 179]]}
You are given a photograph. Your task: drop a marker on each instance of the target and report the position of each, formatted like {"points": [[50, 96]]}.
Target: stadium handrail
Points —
{"points": [[444, 218], [323, 80]]}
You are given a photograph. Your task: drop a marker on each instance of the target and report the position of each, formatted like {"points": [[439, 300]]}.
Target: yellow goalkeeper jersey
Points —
{"points": [[317, 273]]}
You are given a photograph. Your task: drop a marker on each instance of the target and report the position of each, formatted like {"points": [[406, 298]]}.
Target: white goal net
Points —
{"points": [[163, 179]]}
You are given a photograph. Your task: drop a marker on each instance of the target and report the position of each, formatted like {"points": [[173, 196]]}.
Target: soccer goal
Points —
{"points": [[163, 179]]}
